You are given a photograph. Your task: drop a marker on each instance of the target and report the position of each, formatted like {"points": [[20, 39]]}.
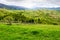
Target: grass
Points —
{"points": [[29, 32]]}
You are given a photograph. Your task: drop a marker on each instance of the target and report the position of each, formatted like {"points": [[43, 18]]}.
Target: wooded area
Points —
{"points": [[30, 16]]}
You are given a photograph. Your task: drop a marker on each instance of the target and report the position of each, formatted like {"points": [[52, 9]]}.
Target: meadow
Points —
{"points": [[29, 24], [29, 32]]}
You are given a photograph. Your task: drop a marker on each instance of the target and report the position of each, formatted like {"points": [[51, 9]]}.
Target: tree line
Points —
{"points": [[30, 16]]}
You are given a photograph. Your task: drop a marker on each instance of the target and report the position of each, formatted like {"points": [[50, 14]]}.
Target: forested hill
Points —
{"points": [[30, 16]]}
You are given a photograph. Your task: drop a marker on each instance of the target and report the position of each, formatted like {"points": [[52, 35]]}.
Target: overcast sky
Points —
{"points": [[32, 3]]}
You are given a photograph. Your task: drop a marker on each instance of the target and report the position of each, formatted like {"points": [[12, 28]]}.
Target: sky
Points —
{"points": [[32, 3]]}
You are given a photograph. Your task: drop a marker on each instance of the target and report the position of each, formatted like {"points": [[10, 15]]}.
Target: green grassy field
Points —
{"points": [[29, 32]]}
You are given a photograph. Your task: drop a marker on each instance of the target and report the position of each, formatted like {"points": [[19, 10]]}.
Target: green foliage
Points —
{"points": [[31, 16], [29, 32]]}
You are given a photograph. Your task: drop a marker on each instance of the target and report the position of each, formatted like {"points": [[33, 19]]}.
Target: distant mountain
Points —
{"points": [[12, 7], [24, 8], [58, 8], [49, 8]]}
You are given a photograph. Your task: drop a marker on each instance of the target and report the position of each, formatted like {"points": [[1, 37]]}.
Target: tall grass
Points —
{"points": [[29, 32]]}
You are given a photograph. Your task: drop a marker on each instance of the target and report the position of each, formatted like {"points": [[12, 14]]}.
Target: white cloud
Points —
{"points": [[32, 3]]}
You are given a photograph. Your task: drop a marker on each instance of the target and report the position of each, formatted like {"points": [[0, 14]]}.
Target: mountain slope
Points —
{"points": [[12, 7], [24, 8], [53, 8]]}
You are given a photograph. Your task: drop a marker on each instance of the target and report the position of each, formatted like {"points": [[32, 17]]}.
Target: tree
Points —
{"points": [[9, 20]]}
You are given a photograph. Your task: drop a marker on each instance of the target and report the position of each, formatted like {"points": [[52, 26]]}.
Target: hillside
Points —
{"points": [[29, 24], [30, 16], [12, 7]]}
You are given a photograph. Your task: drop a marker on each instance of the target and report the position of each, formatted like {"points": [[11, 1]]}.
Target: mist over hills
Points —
{"points": [[13, 7]]}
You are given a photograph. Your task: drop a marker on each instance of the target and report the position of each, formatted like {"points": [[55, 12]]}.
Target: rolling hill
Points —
{"points": [[24, 8], [12, 7]]}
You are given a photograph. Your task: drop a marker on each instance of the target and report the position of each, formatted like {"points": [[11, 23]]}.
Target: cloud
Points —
{"points": [[14, 0], [32, 3], [57, 2]]}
